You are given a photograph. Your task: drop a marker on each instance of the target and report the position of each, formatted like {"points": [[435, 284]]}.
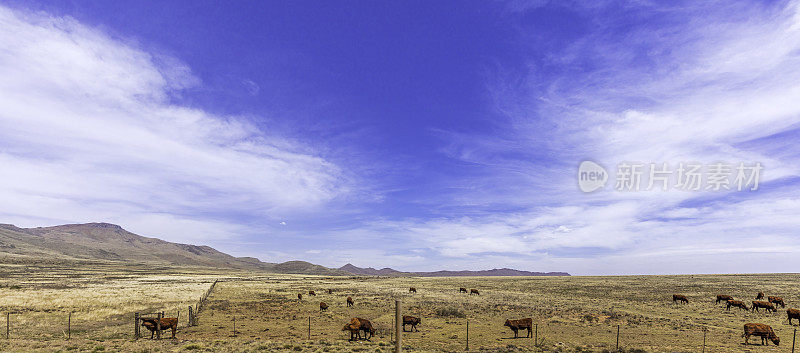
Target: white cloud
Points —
{"points": [[88, 133]]}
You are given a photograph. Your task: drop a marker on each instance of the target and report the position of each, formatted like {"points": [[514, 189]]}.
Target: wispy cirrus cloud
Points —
{"points": [[89, 132]]}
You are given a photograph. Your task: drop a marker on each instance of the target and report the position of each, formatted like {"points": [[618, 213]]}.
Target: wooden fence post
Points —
{"points": [[536, 335], [309, 328], [234, 326], [158, 325], [69, 326], [8, 324], [398, 320], [794, 335], [136, 326], [617, 337], [705, 330], [466, 349]]}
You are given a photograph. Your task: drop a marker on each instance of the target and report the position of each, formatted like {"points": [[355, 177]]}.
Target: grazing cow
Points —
{"points": [[311, 292], [766, 305], [777, 301], [349, 301], [410, 320], [462, 290], [680, 298], [299, 296], [760, 295], [412, 290], [323, 306], [474, 291], [330, 291], [723, 298], [166, 323], [736, 303], [793, 314], [358, 324], [522, 324], [761, 330]]}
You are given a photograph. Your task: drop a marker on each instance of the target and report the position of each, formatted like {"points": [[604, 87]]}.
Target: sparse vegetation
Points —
{"points": [[574, 314]]}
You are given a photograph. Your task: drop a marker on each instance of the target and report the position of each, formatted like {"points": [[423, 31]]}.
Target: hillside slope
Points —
{"points": [[109, 242]]}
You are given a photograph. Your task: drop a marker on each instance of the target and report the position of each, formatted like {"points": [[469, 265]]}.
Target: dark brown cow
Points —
{"points": [[349, 301], [311, 292], [723, 298], [166, 323], [412, 290], [522, 324], [358, 324], [761, 330], [323, 306], [680, 298], [411, 320], [462, 290], [760, 295], [793, 314], [299, 296], [777, 301], [766, 305], [474, 291], [736, 303]]}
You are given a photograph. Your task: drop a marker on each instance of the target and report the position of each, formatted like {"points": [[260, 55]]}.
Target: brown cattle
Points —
{"points": [[330, 291], [299, 296], [723, 298], [462, 290], [412, 290], [474, 291], [793, 314], [736, 303], [358, 324], [761, 330], [766, 305], [410, 320], [166, 323], [680, 298], [323, 306], [760, 295], [777, 301], [311, 292], [349, 301], [522, 324]]}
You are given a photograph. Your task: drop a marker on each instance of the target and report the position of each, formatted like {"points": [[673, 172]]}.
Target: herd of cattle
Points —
{"points": [[753, 329], [357, 325]]}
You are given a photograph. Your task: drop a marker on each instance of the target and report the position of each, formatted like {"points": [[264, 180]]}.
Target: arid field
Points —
{"points": [[578, 314]]}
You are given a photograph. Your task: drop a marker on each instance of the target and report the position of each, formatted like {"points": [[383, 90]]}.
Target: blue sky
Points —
{"points": [[418, 135]]}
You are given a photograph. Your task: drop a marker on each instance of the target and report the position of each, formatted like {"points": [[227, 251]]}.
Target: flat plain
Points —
{"points": [[572, 314]]}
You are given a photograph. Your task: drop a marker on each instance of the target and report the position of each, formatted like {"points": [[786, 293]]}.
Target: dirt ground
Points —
{"points": [[572, 314]]}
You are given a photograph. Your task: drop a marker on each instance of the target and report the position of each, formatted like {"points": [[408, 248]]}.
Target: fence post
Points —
{"points": [[467, 336], [617, 337], [234, 326], [136, 326], [536, 335], [158, 325], [309, 328], [69, 326], [794, 335], [705, 330], [398, 320], [8, 324]]}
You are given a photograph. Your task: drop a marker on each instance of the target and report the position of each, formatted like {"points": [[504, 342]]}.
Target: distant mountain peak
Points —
{"points": [[386, 271]]}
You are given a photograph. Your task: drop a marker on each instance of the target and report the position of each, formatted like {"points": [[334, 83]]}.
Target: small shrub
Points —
{"points": [[450, 311]]}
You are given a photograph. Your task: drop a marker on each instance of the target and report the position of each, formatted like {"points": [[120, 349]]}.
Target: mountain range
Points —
{"points": [[110, 242], [369, 271]]}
